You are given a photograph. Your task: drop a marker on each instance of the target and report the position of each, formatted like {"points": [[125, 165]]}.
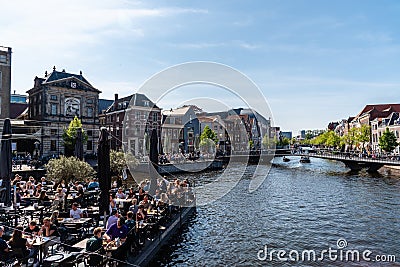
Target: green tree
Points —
{"points": [[350, 138], [364, 135], [388, 141], [69, 136], [332, 139], [308, 136], [283, 142], [120, 161], [69, 169], [320, 139], [208, 139]]}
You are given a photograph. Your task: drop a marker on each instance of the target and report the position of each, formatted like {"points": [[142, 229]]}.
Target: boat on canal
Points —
{"points": [[305, 159]]}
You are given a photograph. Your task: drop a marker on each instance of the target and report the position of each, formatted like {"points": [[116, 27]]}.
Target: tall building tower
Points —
{"points": [[5, 81]]}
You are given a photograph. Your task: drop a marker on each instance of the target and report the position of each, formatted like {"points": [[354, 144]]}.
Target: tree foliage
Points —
{"points": [[364, 134], [208, 138], [120, 161], [69, 135], [68, 169], [328, 138], [388, 141]]}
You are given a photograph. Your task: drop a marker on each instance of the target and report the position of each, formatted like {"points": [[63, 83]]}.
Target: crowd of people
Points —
{"points": [[129, 209]]}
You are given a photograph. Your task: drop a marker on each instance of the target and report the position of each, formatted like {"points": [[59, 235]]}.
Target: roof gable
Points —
{"points": [[60, 75]]}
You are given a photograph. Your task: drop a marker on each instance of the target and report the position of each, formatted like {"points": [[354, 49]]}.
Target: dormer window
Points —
{"points": [[146, 103]]}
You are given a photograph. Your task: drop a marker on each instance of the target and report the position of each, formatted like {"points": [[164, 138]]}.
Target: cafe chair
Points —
{"points": [[20, 255], [96, 258]]}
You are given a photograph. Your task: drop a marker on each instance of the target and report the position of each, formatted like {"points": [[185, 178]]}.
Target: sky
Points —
{"points": [[314, 61]]}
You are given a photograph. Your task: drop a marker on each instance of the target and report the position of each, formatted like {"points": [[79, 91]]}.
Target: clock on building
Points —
{"points": [[72, 106], [73, 84]]}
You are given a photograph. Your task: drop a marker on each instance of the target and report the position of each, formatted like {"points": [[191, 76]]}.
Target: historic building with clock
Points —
{"points": [[54, 101]]}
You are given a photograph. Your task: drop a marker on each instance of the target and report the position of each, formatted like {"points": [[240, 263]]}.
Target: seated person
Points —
{"points": [[93, 185], [18, 196], [49, 230], [18, 244], [117, 230], [95, 244], [38, 190], [141, 214], [145, 202], [32, 229], [113, 203], [54, 218], [60, 194], [112, 219], [75, 212], [43, 197], [120, 194], [4, 250], [134, 207], [130, 221], [131, 193], [80, 195]]}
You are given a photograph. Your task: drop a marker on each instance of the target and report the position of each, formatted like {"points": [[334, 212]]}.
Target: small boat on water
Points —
{"points": [[285, 159], [305, 159]]}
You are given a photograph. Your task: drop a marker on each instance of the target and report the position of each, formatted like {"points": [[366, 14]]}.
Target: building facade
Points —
{"points": [[379, 125], [54, 101], [180, 130], [132, 119], [5, 81]]}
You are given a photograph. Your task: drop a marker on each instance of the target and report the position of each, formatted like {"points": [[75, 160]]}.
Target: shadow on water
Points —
{"points": [[166, 254]]}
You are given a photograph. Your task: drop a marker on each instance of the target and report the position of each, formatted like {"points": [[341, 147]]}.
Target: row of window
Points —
{"points": [[54, 111], [137, 116], [54, 98], [375, 137]]}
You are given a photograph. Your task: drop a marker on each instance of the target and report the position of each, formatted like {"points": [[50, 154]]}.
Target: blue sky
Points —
{"points": [[315, 61]]}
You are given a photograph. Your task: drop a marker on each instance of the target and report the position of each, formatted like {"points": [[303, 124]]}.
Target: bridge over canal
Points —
{"points": [[353, 162]]}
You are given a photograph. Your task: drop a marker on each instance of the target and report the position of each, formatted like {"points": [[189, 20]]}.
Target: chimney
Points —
{"points": [[115, 101], [38, 81]]}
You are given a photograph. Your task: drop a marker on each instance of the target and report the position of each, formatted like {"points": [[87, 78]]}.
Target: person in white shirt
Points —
{"points": [[75, 212], [120, 194]]}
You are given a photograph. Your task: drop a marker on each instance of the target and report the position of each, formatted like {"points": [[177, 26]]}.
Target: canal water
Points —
{"points": [[314, 207]]}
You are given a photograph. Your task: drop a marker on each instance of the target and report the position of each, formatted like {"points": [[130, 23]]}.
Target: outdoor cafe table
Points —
{"points": [[80, 221], [81, 245], [60, 259], [111, 248], [38, 241]]}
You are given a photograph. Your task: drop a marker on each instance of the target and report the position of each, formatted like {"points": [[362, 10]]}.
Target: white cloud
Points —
{"points": [[64, 24], [374, 37]]}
